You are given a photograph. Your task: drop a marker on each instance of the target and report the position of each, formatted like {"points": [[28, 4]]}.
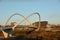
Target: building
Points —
{"points": [[43, 24], [13, 24]]}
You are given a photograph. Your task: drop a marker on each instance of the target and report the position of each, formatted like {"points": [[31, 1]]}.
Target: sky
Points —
{"points": [[49, 10]]}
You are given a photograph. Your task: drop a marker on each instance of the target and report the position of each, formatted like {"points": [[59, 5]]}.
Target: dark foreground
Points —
{"points": [[20, 38]]}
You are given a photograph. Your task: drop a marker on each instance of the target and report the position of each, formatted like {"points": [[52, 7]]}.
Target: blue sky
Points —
{"points": [[49, 10]]}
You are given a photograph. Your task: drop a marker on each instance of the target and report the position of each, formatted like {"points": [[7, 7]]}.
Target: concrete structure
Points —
{"points": [[43, 24]]}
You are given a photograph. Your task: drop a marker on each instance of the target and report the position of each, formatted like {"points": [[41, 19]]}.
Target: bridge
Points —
{"points": [[7, 31]]}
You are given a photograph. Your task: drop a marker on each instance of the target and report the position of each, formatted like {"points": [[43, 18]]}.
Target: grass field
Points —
{"points": [[35, 35]]}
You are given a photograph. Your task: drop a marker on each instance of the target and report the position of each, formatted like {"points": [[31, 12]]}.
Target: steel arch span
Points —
{"points": [[25, 18]]}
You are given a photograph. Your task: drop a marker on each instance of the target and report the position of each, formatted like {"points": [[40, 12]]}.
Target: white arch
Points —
{"points": [[24, 18]]}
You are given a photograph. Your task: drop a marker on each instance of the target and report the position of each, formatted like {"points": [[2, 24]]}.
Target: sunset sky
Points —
{"points": [[49, 9]]}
